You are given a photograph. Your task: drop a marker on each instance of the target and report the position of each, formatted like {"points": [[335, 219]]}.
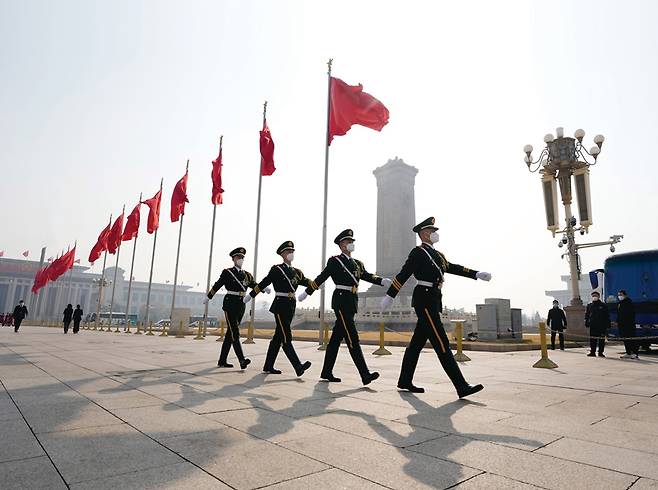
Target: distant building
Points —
{"points": [[564, 295]]}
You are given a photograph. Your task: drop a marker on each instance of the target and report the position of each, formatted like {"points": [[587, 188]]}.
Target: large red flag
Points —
{"points": [[351, 105], [266, 151], [114, 238], [153, 222], [26, 253], [216, 176], [132, 224], [101, 245], [61, 265], [179, 198], [40, 279]]}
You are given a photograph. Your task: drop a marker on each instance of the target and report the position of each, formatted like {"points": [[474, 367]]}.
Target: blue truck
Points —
{"points": [[637, 274]]}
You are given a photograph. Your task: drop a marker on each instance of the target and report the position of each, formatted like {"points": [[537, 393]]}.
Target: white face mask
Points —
{"points": [[290, 257], [434, 237], [595, 298], [238, 263], [350, 247], [621, 298]]}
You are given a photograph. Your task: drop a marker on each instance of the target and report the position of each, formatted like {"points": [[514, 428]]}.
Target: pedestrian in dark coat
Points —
{"points": [[77, 318], [597, 319], [626, 324], [20, 312], [68, 316], [557, 320]]}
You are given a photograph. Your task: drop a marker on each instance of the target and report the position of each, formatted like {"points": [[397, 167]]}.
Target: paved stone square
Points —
{"points": [[104, 410]]}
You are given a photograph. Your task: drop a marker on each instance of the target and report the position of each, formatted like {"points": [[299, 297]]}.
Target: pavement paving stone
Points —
{"points": [[645, 484], [30, 474], [62, 416], [18, 442], [201, 403], [629, 426], [127, 399], [331, 478], [488, 481]]}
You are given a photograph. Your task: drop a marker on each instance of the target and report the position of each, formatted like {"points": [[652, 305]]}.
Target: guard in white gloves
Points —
{"points": [[236, 281], [286, 279], [346, 273], [429, 266]]}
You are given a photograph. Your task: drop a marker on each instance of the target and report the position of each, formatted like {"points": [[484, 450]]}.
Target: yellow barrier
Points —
{"points": [[382, 351], [459, 333], [180, 334], [138, 332], [221, 331], [117, 329], [250, 334], [199, 336], [150, 332], [325, 338], [127, 329], [544, 362], [164, 331]]}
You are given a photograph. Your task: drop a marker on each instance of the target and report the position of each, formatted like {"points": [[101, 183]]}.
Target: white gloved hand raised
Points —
{"points": [[386, 303], [267, 290], [484, 276], [246, 299], [386, 282], [206, 300], [302, 296]]}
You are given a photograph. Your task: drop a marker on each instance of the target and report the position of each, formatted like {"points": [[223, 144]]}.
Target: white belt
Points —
{"points": [[426, 284], [285, 295], [235, 293], [347, 288]]}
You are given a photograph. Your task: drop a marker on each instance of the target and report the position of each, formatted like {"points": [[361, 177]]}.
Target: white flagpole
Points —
{"points": [[326, 193], [39, 298], [68, 293], [148, 291], [100, 288], [180, 233], [212, 241], [114, 282], [132, 265], [250, 330]]}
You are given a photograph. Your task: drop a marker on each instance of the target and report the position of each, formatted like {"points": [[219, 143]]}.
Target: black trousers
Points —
{"points": [[344, 328], [232, 337], [429, 326], [631, 345], [596, 339], [76, 326], [282, 339], [67, 324], [561, 336], [17, 324]]}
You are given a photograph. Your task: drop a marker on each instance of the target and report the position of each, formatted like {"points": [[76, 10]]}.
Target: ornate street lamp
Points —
{"points": [[562, 158]]}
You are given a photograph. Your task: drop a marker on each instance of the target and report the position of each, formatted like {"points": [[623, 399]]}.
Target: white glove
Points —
{"points": [[484, 276], [302, 296], [206, 300], [386, 282], [267, 290], [246, 299], [386, 303]]}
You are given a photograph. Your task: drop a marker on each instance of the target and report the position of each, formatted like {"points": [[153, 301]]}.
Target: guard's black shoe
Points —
{"points": [[469, 390], [411, 388], [224, 364], [244, 363], [271, 371], [302, 367], [591, 354], [370, 378], [601, 354], [331, 378]]}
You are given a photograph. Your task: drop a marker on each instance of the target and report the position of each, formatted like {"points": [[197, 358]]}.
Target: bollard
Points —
{"points": [[138, 332], [164, 331], [199, 335], [180, 334], [205, 330], [221, 331], [117, 329], [544, 362], [325, 338], [382, 351], [459, 332], [127, 329], [250, 333], [150, 332]]}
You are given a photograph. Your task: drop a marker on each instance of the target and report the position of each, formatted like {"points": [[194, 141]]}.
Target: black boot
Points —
{"points": [[469, 390], [331, 378], [272, 352], [451, 368], [409, 363], [357, 356], [244, 363], [223, 354], [369, 378], [329, 361], [300, 368]]}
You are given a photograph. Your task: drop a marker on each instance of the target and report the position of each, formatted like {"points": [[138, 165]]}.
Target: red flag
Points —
{"points": [[26, 253], [61, 265], [216, 176], [153, 222], [40, 279], [100, 247], [351, 105], [179, 198], [132, 224], [114, 238], [2, 253], [266, 151]]}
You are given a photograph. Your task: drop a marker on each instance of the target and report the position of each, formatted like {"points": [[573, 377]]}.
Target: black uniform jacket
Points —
{"points": [[556, 319], [20, 312], [427, 264], [285, 279], [77, 314], [626, 314], [597, 317], [68, 314], [233, 279], [337, 268]]}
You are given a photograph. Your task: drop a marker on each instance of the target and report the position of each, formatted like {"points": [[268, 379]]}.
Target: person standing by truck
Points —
{"points": [[597, 319], [557, 320], [626, 323]]}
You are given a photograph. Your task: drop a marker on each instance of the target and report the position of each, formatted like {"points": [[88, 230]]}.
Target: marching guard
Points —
{"points": [[429, 266], [346, 272], [236, 281], [286, 279]]}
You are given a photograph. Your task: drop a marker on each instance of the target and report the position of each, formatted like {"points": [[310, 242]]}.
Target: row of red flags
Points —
{"points": [[349, 105], [54, 270]]}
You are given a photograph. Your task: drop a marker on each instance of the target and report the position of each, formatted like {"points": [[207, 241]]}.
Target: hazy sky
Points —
{"points": [[101, 99]]}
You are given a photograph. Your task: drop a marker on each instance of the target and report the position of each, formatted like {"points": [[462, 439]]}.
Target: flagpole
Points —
{"points": [[100, 286], [250, 330], [326, 193], [148, 291], [132, 265], [114, 282], [180, 233], [68, 293], [212, 241], [39, 300]]}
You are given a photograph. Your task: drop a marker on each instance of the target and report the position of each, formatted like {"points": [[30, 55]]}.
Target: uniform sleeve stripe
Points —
{"points": [[396, 284], [314, 285]]}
